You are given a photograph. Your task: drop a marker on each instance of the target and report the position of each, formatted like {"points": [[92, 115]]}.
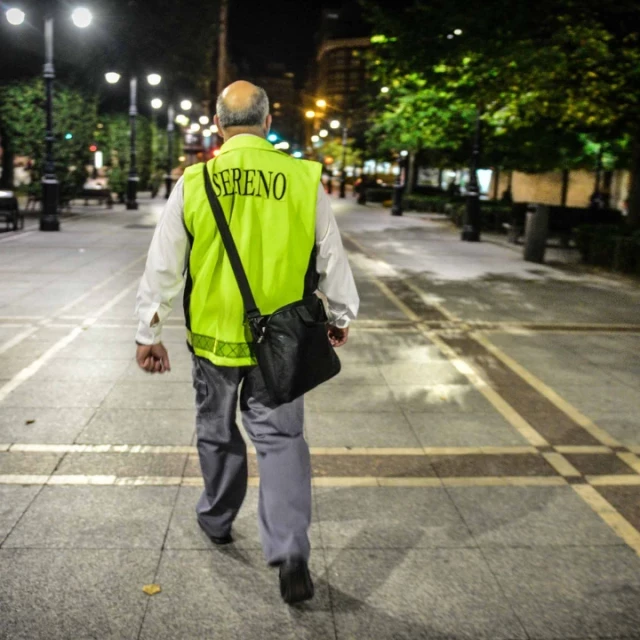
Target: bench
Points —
{"points": [[102, 196], [562, 220], [10, 213]]}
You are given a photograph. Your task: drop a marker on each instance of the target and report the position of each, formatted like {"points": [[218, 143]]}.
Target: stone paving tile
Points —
{"points": [[140, 426], [419, 518], [155, 394], [65, 369], [232, 594], [14, 500], [87, 349], [464, 430], [356, 429], [192, 470], [602, 400], [479, 465], [9, 367], [39, 464], [558, 429], [626, 500], [530, 517], [419, 373], [624, 428], [51, 393], [405, 466], [572, 591], [49, 425], [62, 594], [453, 398], [358, 374], [407, 594], [180, 371], [599, 464], [369, 398], [122, 464], [94, 517], [184, 532]]}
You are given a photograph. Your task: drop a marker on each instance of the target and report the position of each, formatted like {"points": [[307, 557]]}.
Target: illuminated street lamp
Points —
{"points": [[457, 32], [207, 133], [315, 139], [15, 16], [132, 181], [335, 124], [182, 120], [384, 90], [321, 104], [186, 105], [195, 127], [81, 17], [323, 133], [156, 103], [310, 114], [204, 120]]}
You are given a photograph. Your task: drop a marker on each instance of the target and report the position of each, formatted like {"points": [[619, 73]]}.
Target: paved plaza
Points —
{"points": [[476, 464]]}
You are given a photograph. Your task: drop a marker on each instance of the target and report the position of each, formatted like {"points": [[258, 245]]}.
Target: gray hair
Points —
{"points": [[253, 115]]}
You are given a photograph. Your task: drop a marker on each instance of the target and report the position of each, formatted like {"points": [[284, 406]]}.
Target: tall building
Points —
{"points": [[284, 98], [339, 76]]}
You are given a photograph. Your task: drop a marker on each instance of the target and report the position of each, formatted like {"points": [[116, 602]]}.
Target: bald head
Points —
{"points": [[243, 107]]}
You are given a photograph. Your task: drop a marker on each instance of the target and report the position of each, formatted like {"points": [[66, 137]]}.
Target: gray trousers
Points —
{"points": [[284, 508]]}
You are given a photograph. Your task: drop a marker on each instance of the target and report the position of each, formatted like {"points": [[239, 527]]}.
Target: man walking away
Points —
{"points": [[290, 246]]}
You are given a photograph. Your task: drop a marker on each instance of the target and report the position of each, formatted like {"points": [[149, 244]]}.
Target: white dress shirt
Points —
{"points": [[167, 264]]}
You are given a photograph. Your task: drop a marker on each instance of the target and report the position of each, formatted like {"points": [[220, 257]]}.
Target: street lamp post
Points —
{"points": [[343, 173], [133, 179], [168, 180], [471, 224], [50, 186]]}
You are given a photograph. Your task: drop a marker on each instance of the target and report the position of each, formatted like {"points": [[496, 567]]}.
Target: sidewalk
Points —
{"points": [[476, 469]]}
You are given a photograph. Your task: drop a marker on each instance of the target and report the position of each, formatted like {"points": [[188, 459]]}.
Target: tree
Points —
{"points": [[22, 121], [558, 68], [332, 150]]}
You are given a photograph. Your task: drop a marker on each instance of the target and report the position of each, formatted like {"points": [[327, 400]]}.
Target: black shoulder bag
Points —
{"points": [[291, 345]]}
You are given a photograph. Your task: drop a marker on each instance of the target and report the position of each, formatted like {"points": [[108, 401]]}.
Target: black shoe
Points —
{"points": [[295, 581], [219, 540]]}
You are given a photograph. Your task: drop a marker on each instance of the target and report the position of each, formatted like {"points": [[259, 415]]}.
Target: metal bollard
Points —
{"points": [[535, 233]]}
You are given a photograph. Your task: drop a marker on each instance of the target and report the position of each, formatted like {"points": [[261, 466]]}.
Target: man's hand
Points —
{"points": [[153, 358], [337, 336]]}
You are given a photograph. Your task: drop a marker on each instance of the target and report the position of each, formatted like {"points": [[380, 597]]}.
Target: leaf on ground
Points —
{"points": [[29, 421], [151, 589]]}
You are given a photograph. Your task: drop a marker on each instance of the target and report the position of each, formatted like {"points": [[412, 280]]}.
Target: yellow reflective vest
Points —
{"points": [[269, 200]]}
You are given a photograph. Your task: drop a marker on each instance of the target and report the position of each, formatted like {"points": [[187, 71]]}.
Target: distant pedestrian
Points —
{"points": [[289, 245]]}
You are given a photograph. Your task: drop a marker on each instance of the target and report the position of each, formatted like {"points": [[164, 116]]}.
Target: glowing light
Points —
{"points": [[384, 90], [335, 124], [315, 139], [282, 145], [93, 148], [15, 16], [156, 103], [216, 152], [68, 136], [214, 128], [185, 105], [458, 32], [404, 154], [310, 114], [272, 137], [323, 133], [182, 158], [81, 17], [450, 36], [154, 79], [297, 154], [195, 127], [182, 120], [112, 77], [321, 103], [204, 120], [207, 133]]}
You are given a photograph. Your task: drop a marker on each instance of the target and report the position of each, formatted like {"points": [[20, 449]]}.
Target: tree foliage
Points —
{"points": [[22, 119], [555, 80]]}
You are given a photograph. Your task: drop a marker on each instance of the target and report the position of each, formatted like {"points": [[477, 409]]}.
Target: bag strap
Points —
{"points": [[250, 306]]}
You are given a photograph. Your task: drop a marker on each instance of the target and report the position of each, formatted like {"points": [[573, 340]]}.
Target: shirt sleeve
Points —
{"points": [[165, 269], [336, 279]]}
